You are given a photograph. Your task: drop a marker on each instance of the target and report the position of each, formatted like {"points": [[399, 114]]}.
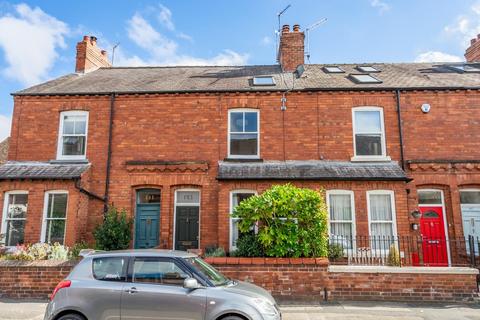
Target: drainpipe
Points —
{"points": [[88, 193], [109, 154], [400, 127]]}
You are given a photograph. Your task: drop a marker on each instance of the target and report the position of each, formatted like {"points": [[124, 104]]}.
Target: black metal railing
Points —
{"points": [[404, 251]]}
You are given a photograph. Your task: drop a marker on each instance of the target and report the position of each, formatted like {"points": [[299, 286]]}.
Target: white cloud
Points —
{"points": [[165, 17], [437, 56], [184, 36], [162, 50], [266, 41], [380, 5], [5, 124], [466, 26], [30, 39]]}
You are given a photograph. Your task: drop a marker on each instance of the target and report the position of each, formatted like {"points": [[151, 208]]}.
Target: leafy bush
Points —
{"points": [[115, 231], [335, 251], [39, 251], [393, 256], [214, 251], [292, 222], [58, 252], [248, 245], [75, 250]]}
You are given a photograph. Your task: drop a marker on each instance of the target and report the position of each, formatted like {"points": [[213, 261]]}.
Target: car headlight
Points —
{"points": [[265, 307]]}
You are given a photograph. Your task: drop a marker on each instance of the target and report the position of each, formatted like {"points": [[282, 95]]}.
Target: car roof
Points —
{"points": [[143, 253]]}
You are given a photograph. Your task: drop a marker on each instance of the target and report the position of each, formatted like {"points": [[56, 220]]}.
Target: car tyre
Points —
{"points": [[71, 316], [232, 318]]}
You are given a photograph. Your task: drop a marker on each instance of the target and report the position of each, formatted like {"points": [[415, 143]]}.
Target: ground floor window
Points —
{"points": [[236, 197], [342, 217], [14, 217], [381, 213], [54, 217], [470, 203]]}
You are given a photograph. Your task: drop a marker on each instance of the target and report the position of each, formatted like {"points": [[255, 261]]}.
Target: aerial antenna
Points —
{"points": [[313, 26], [113, 51], [279, 16]]}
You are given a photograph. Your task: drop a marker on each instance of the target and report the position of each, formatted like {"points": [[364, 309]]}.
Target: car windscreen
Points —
{"points": [[208, 271]]}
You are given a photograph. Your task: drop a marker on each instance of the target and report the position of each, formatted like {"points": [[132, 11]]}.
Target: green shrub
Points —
{"points": [[393, 256], [214, 251], [335, 251], [58, 252], [248, 245], [292, 222], [77, 247], [115, 231]]}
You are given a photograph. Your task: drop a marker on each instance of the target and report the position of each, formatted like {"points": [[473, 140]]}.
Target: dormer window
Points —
{"points": [[72, 138]]}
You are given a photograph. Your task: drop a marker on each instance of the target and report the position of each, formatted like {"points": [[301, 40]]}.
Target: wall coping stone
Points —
{"points": [[266, 261], [388, 269], [37, 263]]}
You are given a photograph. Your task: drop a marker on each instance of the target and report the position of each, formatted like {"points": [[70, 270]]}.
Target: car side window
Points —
{"points": [[110, 268], [158, 271]]}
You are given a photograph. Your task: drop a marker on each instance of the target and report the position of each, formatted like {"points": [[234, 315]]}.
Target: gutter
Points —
{"points": [[88, 193], [109, 152], [103, 93], [406, 179]]}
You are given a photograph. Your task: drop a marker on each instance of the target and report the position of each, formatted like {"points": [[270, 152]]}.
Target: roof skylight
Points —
{"points": [[263, 81], [364, 78], [367, 69], [333, 69]]}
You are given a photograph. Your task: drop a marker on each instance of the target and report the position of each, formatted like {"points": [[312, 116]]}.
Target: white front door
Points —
{"points": [[470, 203]]}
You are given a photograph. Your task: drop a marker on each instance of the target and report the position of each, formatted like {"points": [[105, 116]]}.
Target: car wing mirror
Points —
{"points": [[191, 283]]}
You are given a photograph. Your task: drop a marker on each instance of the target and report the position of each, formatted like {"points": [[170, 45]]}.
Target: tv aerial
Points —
{"points": [[311, 27]]}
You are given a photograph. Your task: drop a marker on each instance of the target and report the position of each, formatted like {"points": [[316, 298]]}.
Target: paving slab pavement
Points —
{"points": [[33, 310]]}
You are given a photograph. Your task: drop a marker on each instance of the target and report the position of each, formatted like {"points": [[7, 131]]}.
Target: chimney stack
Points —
{"points": [[89, 56], [472, 54], [291, 51]]}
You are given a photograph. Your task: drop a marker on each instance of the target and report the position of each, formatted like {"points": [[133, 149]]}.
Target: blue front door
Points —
{"points": [[147, 219]]}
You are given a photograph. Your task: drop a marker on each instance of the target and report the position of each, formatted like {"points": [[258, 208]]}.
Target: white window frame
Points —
{"points": [[60, 156], [383, 156], [232, 193], [175, 204], [444, 211], [394, 213], [3, 229], [352, 204], [234, 156], [45, 218]]}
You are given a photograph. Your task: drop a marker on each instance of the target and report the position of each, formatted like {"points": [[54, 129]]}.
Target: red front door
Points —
{"points": [[433, 233]]}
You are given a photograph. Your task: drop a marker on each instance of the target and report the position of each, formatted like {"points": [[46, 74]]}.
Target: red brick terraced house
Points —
{"points": [[396, 147]]}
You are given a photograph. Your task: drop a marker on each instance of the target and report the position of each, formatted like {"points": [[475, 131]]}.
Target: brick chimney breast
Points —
{"points": [[291, 51], [89, 56], [472, 54]]}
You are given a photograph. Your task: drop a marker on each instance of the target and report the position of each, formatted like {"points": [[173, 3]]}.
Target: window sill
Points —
{"points": [[243, 159], [73, 161], [370, 159]]}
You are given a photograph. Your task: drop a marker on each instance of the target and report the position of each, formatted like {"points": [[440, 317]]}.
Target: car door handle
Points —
{"points": [[131, 290]]}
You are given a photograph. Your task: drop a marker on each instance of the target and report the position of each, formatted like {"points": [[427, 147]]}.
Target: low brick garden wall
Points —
{"points": [[31, 279], [313, 280], [289, 280]]}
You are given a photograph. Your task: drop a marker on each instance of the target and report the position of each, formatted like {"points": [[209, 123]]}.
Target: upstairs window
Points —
{"points": [[243, 133], [72, 141], [333, 69], [364, 78], [367, 69], [263, 81], [368, 133]]}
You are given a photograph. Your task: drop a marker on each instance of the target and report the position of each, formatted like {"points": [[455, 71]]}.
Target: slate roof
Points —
{"points": [[310, 170], [4, 150], [13, 170], [239, 78]]}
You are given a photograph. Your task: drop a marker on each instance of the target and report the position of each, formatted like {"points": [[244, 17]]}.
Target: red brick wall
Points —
{"points": [[31, 280], [193, 127], [308, 280]]}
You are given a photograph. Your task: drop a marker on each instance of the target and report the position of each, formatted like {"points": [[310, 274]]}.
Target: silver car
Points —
{"points": [[155, 284]]}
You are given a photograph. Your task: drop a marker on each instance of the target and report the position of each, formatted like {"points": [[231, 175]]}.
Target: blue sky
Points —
{"points": [[38, 38]]}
